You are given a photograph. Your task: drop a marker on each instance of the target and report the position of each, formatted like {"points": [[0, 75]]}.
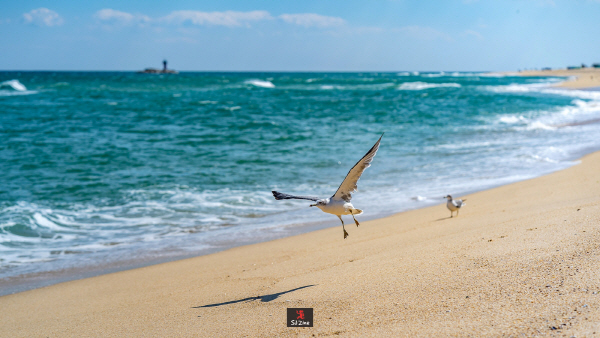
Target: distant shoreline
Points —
{"points": [[581, 78]]}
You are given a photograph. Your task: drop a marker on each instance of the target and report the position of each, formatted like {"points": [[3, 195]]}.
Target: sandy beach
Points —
{"points": [[521, 259], [579, 78]]}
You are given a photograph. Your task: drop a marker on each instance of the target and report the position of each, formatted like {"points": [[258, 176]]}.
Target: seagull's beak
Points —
{"points": [[313, 205]]}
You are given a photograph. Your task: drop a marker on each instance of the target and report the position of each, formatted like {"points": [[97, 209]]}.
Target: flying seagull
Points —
{"points": [[339, 204], [454, 205]]}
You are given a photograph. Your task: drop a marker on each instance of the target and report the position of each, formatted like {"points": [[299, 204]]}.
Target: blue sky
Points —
{"points": [[308, 35]]}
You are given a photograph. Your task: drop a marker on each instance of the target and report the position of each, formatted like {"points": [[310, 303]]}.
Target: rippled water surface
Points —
{"points": [[102, 166]]}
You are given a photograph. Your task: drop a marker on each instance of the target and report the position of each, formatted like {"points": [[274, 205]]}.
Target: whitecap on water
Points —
{"points": [[539, 125], [14, 87], [14, 84], [425, 85], [511, 119], [261, 83], [434, 74]]}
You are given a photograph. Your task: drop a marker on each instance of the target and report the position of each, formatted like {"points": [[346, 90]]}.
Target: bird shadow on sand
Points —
{"points": [[441, 219], [265, 298]]}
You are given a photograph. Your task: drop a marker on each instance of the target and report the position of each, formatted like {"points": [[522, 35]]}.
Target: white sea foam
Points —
{"points": [[476, 74], [544, 159], [150, 216], [517, 88], [578, 113], [14, 88], [544, 87], [425, 85], [261, 83], [14, 84], [511, 119], [440, 74], [539, 125], [493, 74]]}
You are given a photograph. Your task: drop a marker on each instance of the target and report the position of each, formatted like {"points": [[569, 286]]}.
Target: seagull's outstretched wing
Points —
{"points": [[281, 196], [459, 203], [348, 187]]}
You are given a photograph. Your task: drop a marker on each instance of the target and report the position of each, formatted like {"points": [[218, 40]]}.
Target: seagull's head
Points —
{"points": [[449, 198], [320, 203]]}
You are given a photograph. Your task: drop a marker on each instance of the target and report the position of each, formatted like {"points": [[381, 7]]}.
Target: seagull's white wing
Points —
{"points": [[348, 187], [458, 203]]}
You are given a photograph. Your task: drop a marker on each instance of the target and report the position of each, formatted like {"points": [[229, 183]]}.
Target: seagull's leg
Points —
{"points": [[355, 221], [451, 214], [457, 212], [345, 233]]}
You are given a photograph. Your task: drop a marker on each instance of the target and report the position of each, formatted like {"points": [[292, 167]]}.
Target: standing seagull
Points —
{"points": [[454, 205], [339, 204]]}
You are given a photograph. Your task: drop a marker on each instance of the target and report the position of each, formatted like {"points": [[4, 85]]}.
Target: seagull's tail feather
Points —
{"points": [[281, 196]]}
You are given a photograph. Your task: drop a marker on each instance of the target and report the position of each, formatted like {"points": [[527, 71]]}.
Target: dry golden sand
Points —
{"points": [[520, 260], [581, 78]]}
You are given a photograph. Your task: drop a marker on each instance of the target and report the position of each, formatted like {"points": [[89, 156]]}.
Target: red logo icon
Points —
{"points": [[300, 317]]}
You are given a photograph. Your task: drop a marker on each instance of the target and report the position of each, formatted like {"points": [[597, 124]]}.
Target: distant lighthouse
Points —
{"points": [[158, 71]]}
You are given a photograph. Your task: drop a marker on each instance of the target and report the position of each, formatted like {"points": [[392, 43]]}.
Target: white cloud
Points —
{"points": [[228, 18], [312, 20], [112, 16], [43, 17]]}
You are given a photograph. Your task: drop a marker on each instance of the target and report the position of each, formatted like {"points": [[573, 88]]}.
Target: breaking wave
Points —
{"points": [[261, 83], [425, 85]]}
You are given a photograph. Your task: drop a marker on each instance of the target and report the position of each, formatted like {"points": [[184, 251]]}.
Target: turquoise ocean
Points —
{"points": [[108, 170]]}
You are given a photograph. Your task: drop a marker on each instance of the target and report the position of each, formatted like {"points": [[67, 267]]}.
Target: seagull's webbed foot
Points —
{"points": [[345, 233]]}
